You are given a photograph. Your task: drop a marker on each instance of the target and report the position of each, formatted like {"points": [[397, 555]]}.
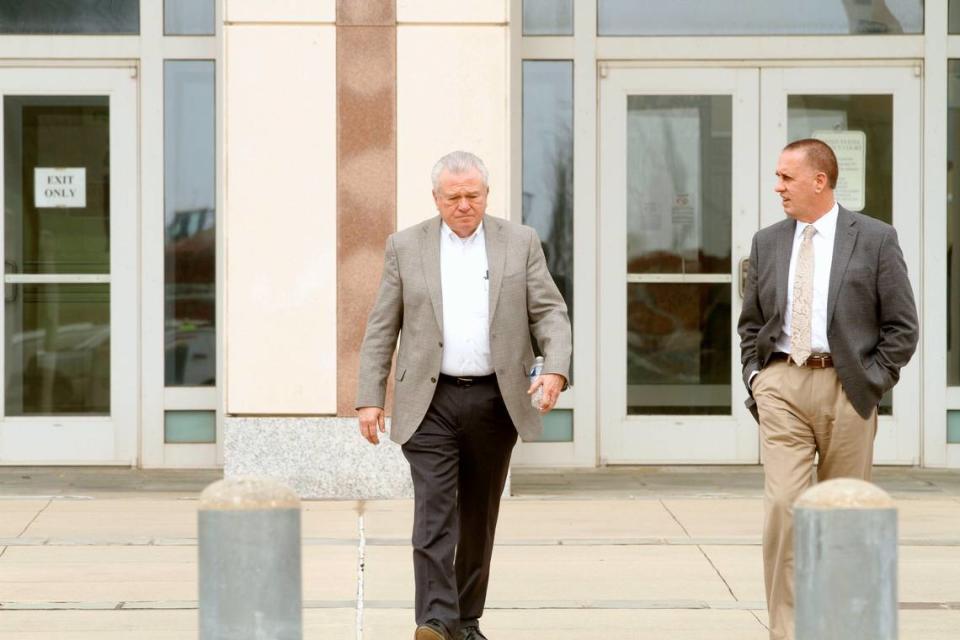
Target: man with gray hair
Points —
{"points": [[464, 292]]}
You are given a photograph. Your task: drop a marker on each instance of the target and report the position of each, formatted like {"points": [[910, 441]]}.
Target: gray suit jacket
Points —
{"points": [[523, 300], [871, 315]]}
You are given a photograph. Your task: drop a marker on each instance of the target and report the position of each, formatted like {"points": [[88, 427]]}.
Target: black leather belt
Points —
{"points": [[815, 361], [467, 381]]}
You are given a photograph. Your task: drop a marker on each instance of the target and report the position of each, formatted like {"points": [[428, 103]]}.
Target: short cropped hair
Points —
{"points": [[459, 162], [820, 156]]}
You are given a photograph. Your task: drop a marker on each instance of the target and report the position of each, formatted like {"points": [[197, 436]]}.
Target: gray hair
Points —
{"points": [[459, 162]]}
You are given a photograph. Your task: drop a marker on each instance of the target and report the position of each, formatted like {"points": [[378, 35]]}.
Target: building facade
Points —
{"points": [[197, 195]]}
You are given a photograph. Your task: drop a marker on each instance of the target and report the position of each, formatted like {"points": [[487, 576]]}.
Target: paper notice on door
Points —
{"points": [[57, 188], [663, 181], [851, 150]]}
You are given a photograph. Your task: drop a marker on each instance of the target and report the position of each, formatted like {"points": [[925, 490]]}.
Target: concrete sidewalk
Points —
{"points": [[643, 554]]}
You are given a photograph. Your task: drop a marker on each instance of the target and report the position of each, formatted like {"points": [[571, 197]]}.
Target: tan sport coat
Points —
{"points": [[523, 300]]}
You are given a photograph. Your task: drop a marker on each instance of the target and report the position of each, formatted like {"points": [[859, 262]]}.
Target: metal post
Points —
{"points": [[846, 562], [250, 575]]}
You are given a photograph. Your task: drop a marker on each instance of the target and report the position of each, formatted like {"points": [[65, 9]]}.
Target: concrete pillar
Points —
{"points": [[846, 562], [250, 570]]}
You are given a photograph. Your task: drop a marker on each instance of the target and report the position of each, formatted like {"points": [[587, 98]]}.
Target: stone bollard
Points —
{"points": [[250, 575], [846, 562]]}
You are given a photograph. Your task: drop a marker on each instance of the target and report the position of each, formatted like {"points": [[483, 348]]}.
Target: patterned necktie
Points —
{"points": [[802, 300]]}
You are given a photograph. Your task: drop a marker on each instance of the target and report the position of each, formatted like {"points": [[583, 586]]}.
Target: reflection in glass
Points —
{"points": [[57, 349], [866, 163], [190, 220], [557, 426], [548, 17], [57, 336], [548, 165], [183, 427], [953, 427], [678, 184], [953, 224], [55, 132], [678, 348], [188, 17], [70, 16], [758, 17]]}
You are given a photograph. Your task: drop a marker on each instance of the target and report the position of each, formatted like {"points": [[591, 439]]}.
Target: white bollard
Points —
{"points": [[250, 571], [846, 562]]}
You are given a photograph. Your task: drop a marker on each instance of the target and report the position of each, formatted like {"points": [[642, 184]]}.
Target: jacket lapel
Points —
{"points": [[843, 243], [784, 250], [496, 257], [430, 256]]}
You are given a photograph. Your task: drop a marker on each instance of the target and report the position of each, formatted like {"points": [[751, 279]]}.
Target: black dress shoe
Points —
{"points": [[430, 630], [471, 633]]}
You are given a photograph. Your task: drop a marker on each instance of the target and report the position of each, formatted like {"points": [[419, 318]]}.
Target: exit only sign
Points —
{"points": [[59, 188]]}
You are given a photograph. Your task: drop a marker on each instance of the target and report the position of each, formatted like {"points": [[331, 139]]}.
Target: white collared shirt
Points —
{"points": [[465, 286], [822, 240]]}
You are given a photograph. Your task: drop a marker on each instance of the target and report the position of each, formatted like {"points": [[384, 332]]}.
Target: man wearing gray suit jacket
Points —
{"points": [[828, 321], [464, 292]]}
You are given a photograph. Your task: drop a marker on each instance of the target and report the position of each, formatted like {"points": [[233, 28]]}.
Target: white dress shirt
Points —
{"points": [[822, 240], [465, 286]]}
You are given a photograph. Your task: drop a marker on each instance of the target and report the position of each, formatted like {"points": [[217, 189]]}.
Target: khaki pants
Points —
{"points": [[803, 412]]}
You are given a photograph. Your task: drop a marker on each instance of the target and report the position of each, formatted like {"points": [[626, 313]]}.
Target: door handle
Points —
{"points": [[744, 270], [10, 267]]}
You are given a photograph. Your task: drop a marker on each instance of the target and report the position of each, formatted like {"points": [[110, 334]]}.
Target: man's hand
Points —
{"points": [[552, 384], [371, 419]]}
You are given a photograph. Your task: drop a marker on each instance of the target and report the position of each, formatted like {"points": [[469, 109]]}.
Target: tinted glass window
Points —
{"points": [[548, 17], [190, 220], [759, 17], [189, 17], [70, 16], [548, 164]]}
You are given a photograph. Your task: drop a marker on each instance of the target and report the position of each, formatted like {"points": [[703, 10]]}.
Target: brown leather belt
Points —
{"points": [[815, 361]]}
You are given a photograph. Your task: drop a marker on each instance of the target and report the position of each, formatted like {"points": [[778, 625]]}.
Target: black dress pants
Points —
{"points": [[459, 458]]}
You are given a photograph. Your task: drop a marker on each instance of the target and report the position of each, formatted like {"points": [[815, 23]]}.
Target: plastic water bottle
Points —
{"points": [[535, 372]]}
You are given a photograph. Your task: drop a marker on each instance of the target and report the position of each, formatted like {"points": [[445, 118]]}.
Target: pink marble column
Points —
{"points": [[366, 171]]}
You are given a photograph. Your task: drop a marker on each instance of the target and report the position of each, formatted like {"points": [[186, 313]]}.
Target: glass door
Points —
{"points": [[871, 116], [678, 185], [70, 353], [684, 154]]}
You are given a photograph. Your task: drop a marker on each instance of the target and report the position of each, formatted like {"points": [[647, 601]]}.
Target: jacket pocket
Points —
{"points": [[400, 373], [514, 274], [877, 376]]}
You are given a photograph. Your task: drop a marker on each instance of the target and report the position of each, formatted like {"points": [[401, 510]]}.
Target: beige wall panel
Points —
{"points": [[281, 220], [281, 10], [452, 11], [451, 94]]}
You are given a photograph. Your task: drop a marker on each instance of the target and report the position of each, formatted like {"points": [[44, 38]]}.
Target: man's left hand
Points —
{"points": [[552, 384]]}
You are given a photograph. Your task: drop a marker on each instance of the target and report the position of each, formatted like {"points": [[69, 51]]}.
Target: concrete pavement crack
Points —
{"points": [[34, 518], [704, 553], [720, 575], [757, 618], [675, 518], [729, 588], [361, 567]]}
